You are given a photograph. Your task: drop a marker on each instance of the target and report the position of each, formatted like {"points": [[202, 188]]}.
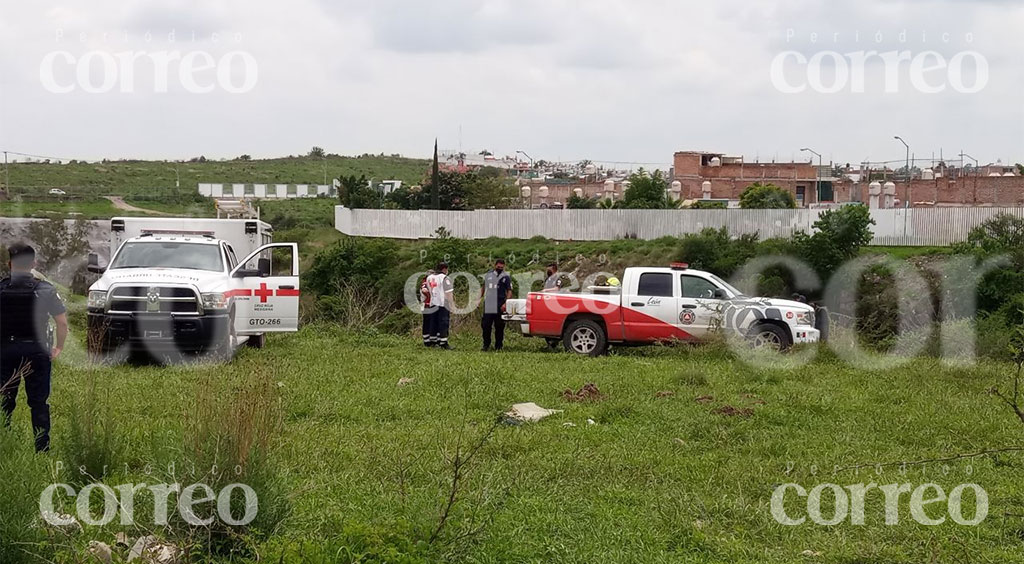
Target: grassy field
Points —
{"points": [[657, 477], [146, 177]]}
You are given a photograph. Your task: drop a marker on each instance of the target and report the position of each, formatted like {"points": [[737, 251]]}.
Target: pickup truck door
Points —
{"points": [[265, 286], [650, 307], [699, 312]]}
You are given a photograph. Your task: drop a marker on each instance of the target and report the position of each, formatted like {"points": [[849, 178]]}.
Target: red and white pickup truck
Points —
{"points": [[660, 305]]}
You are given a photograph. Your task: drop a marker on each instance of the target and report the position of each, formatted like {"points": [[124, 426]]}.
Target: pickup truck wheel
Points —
{"points": [[223, 350], [585, 337], [768, 336]]}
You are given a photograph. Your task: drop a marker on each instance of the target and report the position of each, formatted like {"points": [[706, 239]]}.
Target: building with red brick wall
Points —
{"points": [[729, 176], [966, 190]]}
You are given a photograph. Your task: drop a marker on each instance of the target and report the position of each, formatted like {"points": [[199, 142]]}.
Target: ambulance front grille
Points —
{"points": [[153, 299]]}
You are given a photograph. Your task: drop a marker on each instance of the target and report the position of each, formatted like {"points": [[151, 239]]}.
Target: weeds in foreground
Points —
{"points": [[231, 433], [91, 447]]}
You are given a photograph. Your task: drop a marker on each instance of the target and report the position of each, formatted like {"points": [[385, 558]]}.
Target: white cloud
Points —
{"points": [[601, 79]]}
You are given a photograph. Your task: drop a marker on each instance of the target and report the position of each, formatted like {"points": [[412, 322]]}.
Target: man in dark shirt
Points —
{"points": [[553, 283], [26, 304], [496, 291]]}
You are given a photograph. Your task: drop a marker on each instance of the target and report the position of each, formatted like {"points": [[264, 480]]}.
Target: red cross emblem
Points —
{"points": [[263, 292]]}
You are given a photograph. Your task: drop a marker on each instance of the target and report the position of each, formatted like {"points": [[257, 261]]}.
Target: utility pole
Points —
{"points": [[962, 155], [817, 175], [7, 176], [910, 175]]}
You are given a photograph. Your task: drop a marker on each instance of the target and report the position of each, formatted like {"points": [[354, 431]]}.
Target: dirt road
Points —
{"points": [[120, 204]]}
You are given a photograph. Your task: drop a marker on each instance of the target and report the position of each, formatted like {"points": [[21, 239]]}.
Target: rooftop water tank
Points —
{"points": [[543, 191], [525, 191]]}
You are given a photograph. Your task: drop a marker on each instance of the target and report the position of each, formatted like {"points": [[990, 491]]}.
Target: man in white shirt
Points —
{"points": [[442, 298]]}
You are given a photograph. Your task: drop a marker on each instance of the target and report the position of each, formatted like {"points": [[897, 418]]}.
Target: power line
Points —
{"points": [[38, 156]]}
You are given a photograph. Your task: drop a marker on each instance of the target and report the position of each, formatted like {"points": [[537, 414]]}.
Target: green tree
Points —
{"points": [[316, 153], [646, 190], [355, 192], [451, 195], [485, 190], [839, 234], [579, 203], [766, 196]]}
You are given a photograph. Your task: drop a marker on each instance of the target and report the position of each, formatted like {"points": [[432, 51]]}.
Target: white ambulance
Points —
{"points": [[180, 287]]}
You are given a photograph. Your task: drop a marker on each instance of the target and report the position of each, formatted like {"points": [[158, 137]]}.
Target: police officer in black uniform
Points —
{"points": [[26, 303], [497, 290]]}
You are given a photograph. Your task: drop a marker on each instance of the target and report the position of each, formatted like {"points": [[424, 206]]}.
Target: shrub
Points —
{"points": [[766, 196], [452, 250], [352, 260], [715, 251], [839, 235], [1003, 235], [708, 205], [579, 203]]}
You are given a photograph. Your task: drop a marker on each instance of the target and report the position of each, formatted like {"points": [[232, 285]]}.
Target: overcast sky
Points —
{"points": [[608, 80]]}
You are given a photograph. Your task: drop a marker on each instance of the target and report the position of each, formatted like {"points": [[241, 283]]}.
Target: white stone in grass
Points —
{"points": [[62, 522], [405, 381], [530, 412], [152, 551], [810, 553]]}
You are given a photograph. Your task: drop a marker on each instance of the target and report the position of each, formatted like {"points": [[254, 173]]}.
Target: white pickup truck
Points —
{"points": [[178, 288], [660, 305]]}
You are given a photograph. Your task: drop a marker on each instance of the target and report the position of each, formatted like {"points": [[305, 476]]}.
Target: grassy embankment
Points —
{"points": [[151, 184]]}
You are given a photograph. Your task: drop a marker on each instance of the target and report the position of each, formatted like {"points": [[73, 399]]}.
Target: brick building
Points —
{"points": [[729, 176], [716, 176]]}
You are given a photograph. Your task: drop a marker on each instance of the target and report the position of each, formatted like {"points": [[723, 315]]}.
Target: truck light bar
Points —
{"points": [[176, 232], [679, 266]]}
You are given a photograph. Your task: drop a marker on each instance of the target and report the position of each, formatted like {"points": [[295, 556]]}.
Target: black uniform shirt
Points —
{"points": [[496, 288], [25, 305]]}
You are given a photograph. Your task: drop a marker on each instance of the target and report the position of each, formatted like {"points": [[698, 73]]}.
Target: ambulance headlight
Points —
{"points": [[215, 300], [97, 299], [805, 318]]}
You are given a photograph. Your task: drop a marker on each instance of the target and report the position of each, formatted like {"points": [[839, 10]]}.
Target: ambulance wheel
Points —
{"points": [[769, 336], [585, 337], [257, 341], [224, 348]]}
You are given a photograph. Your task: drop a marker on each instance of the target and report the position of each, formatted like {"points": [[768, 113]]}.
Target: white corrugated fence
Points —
{"points": [[911, 227]]}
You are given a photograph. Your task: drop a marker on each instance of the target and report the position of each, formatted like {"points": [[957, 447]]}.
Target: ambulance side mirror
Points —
{"points": [[263, 266], [720, 294], [94, 264]]}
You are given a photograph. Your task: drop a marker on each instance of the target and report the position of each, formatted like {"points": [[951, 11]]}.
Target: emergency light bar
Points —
{"points": [[176, 232], [679, 266]]}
